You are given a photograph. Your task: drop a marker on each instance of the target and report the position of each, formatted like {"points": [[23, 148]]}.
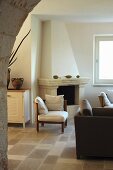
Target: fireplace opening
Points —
{"points": [[68, 92]]}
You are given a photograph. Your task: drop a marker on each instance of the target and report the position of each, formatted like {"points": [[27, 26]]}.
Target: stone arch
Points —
{"points": [[12, 15]]}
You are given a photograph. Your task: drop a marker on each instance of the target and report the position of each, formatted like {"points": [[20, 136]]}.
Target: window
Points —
{"points": [[103, 60]]}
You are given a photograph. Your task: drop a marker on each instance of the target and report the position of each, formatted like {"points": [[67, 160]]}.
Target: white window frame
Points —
{"points": [[96, 80]]}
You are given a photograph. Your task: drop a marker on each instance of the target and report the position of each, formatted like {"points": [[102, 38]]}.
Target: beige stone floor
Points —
{"points": [[48, 150]]}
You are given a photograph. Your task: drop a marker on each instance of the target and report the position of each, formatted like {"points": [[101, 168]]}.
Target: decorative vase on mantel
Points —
{"points": [[8, 77], [17, 83]]}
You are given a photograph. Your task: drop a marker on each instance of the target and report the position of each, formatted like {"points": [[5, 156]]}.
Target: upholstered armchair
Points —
{"points": [[93, 131], [52, 111]]}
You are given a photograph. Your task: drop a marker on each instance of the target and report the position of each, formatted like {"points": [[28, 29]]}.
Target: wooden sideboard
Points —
{"points": [[18, 105]]}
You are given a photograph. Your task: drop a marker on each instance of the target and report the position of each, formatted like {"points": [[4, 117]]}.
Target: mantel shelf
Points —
{"points": [[63, 81]]}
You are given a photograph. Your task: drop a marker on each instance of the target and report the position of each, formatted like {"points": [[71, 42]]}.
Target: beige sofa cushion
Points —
{"points": [[54, 116], [55, 103]]}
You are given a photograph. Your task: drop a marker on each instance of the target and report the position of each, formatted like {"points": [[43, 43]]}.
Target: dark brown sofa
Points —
{"points": [[93, 131]]}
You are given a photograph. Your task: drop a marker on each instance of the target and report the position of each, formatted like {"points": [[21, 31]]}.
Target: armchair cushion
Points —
{"points": [[85, 108], [42, 109], [55, 103], [54, 116]]}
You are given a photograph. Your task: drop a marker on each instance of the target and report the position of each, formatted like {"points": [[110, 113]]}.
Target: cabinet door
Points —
{"points": [[15, 107]]}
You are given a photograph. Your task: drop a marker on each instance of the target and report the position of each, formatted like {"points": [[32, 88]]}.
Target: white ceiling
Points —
{"points": [[76, 10]]}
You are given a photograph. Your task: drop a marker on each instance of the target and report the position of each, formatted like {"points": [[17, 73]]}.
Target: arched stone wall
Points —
{"points": [[12, 15]]}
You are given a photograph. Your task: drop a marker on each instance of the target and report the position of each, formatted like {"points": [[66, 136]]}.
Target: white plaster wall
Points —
{"points": [[22, 66], [35, 59], [46, 57], [81, 37]]}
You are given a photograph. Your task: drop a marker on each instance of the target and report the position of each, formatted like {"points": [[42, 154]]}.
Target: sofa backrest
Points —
{"points": [[103, 111]]}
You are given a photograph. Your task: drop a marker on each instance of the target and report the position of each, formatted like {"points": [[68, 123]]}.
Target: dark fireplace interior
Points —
{"points": [[68, 92]]}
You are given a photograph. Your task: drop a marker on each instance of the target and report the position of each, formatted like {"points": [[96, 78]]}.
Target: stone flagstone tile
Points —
{"points": [[33, 141], [47, 167], [68, 152], [72, 136], [10, 146], [49, 140], [17, 157], [72, 144], [12, 164], [20, 149], [13, 141], [64, 138], [93, 165], [108, 164], [71, 161], [34, 134], [44, 146], [57, 148], [51, 159], [67, 166], [39, 153], [30, 164]]}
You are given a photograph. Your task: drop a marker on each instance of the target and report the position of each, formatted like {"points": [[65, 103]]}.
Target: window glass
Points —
{"points": [[103, 69]]}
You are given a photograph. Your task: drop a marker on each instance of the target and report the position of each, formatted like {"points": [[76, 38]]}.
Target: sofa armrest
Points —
{"points": [[102, 111]]}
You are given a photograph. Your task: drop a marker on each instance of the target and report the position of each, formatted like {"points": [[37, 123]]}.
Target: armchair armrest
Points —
{"points": [[101, 100], [65, 105]]}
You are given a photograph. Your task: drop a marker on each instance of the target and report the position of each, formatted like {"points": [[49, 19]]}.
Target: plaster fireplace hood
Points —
{"points": [[51, 86]]}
